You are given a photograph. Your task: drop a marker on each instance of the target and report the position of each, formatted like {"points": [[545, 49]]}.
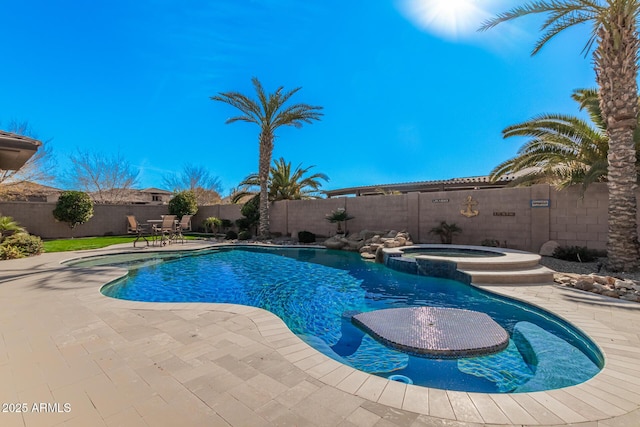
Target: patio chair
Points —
{"points": [[140, 230], [165, 231], [183, 225]]}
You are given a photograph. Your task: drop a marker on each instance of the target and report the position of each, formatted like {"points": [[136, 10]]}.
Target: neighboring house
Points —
{"points": [[28, 192], [148, 196], [33, 192], [156, 196], [471, 183], [16, 149]]}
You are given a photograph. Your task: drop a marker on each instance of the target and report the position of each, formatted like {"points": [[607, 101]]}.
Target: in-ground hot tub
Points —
{"points": [[477, 264], [450, 252]]}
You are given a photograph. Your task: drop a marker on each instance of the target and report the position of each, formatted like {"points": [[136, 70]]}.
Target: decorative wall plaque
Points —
{"points": [[540, 203], [469, 205]]}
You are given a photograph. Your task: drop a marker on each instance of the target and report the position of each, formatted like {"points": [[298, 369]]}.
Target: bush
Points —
{"points": [[251, 213], [183, 203], [226, 223], [491, 243], [446, 231], [212, 224], [244, 235], [10, 252], [9, 226], [231, 235], [244, 224], [20, 245], [306, 237], [74, 208], [577, 253]]}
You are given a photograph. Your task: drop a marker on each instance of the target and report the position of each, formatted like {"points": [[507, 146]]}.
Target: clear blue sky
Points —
{"points": [[410, 90]]}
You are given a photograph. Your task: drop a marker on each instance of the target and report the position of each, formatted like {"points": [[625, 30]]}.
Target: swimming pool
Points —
{"points": [[316, 292]]}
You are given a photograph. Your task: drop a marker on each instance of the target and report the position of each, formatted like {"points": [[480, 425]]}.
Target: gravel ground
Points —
{"points": [[595, 267]]}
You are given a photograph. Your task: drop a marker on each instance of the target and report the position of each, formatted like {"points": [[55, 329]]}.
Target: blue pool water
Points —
{"points": [[315, 292]]}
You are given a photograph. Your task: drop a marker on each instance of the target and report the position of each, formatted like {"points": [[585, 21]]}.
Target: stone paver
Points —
{"points": [[123, 363]]}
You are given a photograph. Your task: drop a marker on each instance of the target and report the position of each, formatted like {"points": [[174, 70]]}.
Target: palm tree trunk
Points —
{"points": [[616, 74], [266, 150]]}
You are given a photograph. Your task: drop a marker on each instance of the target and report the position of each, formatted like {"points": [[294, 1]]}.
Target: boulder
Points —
{"points": [[334, 242], [584, 285], [547, 248], [367, 255]]}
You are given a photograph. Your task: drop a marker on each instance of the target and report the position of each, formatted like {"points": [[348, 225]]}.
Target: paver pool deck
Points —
{"points": [[122, 363]]}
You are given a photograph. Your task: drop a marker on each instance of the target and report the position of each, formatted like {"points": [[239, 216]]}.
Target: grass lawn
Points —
{"points": [[84, 243]]}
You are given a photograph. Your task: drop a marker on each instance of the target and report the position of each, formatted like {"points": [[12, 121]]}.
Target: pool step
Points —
{"points": [[528, 275], [520, 262]]}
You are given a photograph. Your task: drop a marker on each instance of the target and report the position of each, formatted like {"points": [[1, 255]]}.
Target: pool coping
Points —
{"points": [[612, 395]]}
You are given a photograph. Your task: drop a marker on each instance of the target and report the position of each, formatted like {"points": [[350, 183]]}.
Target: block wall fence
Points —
{"points": [[519, 218]]}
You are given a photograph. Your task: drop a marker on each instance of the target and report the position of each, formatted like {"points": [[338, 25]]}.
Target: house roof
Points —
{"points": [[16, 149], [155, 191], [469, 183]]}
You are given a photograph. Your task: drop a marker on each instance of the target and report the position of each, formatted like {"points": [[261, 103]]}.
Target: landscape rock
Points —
{"points": [[585, 285], [370, 243], [624, 289], [548, 248]]}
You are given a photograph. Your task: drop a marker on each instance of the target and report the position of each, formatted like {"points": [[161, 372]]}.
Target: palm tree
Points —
{"points": [[563, 149], [269, 112], [285, 184], [615, 36], [446, 231]]}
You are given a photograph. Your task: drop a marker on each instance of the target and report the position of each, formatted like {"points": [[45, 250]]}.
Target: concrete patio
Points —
{"points": [[122, 363]]}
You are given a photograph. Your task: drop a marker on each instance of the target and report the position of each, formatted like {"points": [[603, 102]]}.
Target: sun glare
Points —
{"points": [[449, 18]]}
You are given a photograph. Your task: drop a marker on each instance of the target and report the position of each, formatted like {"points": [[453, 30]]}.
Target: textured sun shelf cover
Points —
{"points": [[432, 331]]}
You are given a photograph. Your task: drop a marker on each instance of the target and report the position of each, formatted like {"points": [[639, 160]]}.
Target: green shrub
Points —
{"points": [[9, 226], [20, 245], [244, 235], [446, 232], [212, 224], [491, 243], [183, 203], [231, 235], [10, 252], [251, 214], [306, 237], [226, 223], [244, 224], [74, 208], [338, 216], [577, 253]]}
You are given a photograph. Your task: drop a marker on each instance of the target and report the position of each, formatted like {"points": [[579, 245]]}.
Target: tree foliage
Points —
{"points": [[616, 48], [107, 178], [183, 203], [562, 150], [199, 180], [284, 183], [269, 112], [74, 208]]}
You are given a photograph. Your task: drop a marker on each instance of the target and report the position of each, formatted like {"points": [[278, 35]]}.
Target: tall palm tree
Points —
{"points": [[615, 36], [269, 112], [285, 184], [563, 149]]}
